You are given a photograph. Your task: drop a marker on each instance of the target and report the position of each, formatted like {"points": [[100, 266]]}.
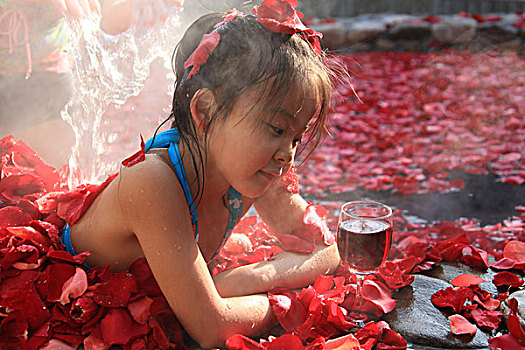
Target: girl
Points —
{"points": [[248, 90]]}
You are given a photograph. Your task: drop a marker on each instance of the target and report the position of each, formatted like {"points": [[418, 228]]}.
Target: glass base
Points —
{"points": [[358, 317]]}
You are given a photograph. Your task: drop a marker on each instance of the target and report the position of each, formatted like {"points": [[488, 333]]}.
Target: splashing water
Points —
{"points": [[109, 71]]}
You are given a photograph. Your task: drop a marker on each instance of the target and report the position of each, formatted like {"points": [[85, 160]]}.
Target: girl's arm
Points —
{"points": [[153, 205], [119, 15], [283, 212]]}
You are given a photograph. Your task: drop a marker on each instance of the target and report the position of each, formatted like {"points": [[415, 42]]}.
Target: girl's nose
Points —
{"points": [[284, 156]]}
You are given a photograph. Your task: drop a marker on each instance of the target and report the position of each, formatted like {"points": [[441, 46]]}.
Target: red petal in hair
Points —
{"points": [[201, 54]]}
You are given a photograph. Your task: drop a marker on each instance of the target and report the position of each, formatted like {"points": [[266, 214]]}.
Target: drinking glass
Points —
{"points": [[364, 237]]}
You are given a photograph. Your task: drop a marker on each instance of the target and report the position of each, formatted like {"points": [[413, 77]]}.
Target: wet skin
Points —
{"points": [[143, 213]]}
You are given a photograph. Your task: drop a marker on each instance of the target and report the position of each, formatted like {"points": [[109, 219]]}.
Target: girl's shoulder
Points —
{"points": [[155, 171]]}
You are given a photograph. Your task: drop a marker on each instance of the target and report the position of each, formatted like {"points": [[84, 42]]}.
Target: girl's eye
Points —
{"points": [[277, 130], [296, 142]]}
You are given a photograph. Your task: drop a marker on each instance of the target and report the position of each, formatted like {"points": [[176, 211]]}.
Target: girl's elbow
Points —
{"points": [[210, 337], [211, 333]]}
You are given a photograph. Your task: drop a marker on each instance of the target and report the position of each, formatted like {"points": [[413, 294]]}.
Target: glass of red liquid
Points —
{"points": [[364, 237]]}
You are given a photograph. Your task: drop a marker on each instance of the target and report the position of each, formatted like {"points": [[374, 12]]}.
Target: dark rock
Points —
{"points": [[394, 19], [424, 325], [412, 46], [365, 30], [385, 44], [520, 297], [455, 30], [498, 31], [360, 47], [334, 35], [410, 30], [447, 271], [514, 45]]}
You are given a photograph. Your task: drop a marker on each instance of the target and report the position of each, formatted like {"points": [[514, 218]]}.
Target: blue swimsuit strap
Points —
{"points": [[235, 206], [169, 139]]}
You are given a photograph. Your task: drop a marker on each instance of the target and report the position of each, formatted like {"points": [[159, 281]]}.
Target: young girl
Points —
{"points": [[249, 88]]}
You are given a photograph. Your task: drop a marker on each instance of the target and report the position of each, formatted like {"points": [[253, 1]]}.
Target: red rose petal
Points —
{"points": [[13, 216], [451, 297], [289, 312], [504, 342], [487, 320], [74, 286], [94, 343], [83, 310], [379, 295], [140, 309], [368, 335], [291, 182], [460, 325], [286, 341], [506, 278], [138, 157], [59, 273], [389, 339], [241, 342], [116, 291], [117, 327], [55, 344], [489, 304], [503, 264], [345, 342], [466, 280], [201, 54], [515, 250]]}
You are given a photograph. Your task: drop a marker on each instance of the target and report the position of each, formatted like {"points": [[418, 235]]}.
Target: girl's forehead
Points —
{"points": [[298, 99]]}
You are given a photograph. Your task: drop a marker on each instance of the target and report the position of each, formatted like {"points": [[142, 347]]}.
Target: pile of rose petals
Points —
{"points": [[420, 118], [46, 296]]}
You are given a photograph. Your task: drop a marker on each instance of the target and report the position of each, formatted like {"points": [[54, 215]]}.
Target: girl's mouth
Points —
{"points": [[267, 175]]}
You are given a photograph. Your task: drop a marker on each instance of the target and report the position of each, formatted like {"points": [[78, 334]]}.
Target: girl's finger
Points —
{"points": [[84, 7], [160, 10], [177, 3], [147, 14], [94, 5], [60, 5], [73, 8], [136, 13]]}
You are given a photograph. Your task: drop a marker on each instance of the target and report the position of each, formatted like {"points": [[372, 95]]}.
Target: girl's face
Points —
{"points": [[256, 144]]}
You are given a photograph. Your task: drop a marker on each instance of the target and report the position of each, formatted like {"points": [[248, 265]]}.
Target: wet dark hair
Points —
{"points": [[247, 55]]}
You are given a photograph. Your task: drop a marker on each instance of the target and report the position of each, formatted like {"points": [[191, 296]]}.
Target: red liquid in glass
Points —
{"points": [[364, 244]]}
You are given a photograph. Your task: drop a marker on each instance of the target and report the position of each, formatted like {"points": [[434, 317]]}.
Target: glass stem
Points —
{"points": [[359, 292]]}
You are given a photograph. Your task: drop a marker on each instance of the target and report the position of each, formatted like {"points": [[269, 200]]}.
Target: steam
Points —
{"points": [[110, 83]]}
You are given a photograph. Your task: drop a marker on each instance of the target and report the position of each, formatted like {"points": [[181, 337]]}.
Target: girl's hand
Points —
{"points": [[119, 15], [149, 12], [77, 8]]}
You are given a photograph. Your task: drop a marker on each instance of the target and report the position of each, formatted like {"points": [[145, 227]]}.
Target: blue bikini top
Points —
{"points": [[169, 139]]}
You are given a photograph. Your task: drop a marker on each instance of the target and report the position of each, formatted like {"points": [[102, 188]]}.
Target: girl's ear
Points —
{"points": [[201, 105]]}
